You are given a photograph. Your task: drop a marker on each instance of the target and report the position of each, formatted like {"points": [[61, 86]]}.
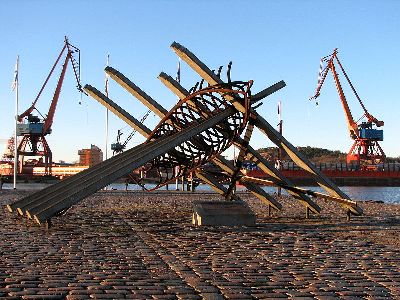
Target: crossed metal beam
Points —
{"points": [[334, 193]]}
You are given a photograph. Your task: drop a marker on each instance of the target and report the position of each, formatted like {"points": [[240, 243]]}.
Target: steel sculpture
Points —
{"points": [[204, 123]]}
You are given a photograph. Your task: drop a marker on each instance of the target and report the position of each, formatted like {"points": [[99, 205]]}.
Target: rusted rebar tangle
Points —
{"points": [[202, 148]]}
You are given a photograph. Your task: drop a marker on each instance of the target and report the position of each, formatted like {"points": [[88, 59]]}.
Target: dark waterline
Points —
{"points": [[378, 193]]}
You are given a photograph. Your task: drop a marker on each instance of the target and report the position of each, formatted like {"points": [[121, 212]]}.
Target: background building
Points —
{"points": [[90, 157]]}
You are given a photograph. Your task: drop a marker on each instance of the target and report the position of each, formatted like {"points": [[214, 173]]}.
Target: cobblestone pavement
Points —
{"points": [[117, 245]]}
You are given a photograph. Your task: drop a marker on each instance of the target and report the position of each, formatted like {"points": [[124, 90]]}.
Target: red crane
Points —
{"points": [[34, 129], [366, 150]]}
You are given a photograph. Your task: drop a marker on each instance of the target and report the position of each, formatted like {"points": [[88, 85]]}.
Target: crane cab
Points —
{"points": [[33, 127], [367, 132], [117, 147]]}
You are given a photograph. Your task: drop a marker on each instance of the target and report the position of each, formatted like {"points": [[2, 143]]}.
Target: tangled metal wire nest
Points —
{"points": [[202, 148]]}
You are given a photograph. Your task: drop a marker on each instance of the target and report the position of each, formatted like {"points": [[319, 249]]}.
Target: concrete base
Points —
{"points": [[222, 213]]}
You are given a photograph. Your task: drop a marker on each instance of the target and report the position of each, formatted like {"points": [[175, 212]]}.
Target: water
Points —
{"points": [[382, 193]]}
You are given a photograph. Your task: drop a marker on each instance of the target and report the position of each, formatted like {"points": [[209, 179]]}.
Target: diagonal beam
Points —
{"points": [[268, 91], [280, 179], [215, 185], [262, 195], [309, 192], [265, 127], [305, 164], [213, 79], [136, 91], [173, 85], [116, 109]]}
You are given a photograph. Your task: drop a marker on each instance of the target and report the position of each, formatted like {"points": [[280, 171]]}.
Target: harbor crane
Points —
{"points": [[118, 146], [366, 151], [34, 129]]}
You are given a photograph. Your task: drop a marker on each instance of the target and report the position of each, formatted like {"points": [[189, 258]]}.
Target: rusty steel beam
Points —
{"points": [[201, 69]]}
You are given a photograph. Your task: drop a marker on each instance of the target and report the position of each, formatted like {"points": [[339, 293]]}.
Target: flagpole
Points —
{"points": [[106, 92], [178, 79], [279, 149], [16, 122]]}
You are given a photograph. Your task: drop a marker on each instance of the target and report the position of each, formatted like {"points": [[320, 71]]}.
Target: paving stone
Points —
{"points": [[136, 246], [211, 296], [37, 297], [107, 296], [273, 295]]}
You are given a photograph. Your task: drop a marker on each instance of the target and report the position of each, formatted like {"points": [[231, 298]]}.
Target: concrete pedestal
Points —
{"points": [[222, 213]]}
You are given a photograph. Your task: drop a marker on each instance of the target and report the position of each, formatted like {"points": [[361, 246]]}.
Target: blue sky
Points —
{"points": [[267, 41]]}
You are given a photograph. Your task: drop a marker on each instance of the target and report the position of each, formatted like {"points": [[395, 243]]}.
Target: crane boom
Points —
{"points": [[370, 117], [50, 116], [69, 57], [32, 107], [351, 124]]}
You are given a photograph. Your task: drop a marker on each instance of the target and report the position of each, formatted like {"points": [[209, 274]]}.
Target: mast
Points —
{"points": [[280, 124], [15, 87], [106, 92]]}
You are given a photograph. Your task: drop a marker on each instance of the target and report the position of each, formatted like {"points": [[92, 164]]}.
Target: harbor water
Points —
{"points": [[363, 193]]}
